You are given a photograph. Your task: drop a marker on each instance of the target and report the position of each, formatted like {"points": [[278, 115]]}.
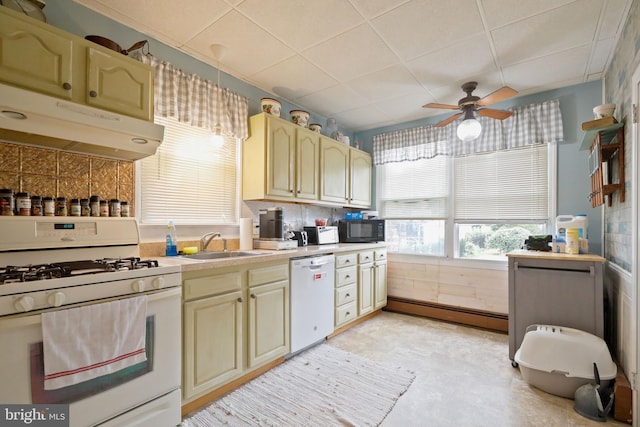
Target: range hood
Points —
{"points": [[31, 118]]}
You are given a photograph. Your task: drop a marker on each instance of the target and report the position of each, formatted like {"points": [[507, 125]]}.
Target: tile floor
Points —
{"points": [[464, 376]]}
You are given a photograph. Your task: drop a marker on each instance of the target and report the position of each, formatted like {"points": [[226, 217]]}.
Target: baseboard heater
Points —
{"points": [[466, 316]]}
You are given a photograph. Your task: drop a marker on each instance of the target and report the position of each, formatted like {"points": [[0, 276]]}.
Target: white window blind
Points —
{"points": [[189, 180], [505, 185], [416, 190]]}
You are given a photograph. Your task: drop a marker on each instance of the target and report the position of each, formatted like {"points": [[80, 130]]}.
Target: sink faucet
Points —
{"points": [[208, 237]]}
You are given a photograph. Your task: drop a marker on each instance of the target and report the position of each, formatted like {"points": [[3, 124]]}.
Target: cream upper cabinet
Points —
{"points": [[116, 83], [279, 161], [359, 178], [334, 172], [35, 57], [42, 58]]}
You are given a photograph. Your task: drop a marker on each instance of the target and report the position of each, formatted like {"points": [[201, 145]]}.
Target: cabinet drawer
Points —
{"points": [[346, 260], [273, 273], [365, 257], [211, 285], [346, 313], [380, 254], [346, 294], [345, 276]]}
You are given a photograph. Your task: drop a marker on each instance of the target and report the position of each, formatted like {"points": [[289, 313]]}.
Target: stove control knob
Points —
{"points": [[158, 283], [138, 285], [56, 299], [25, 303]]}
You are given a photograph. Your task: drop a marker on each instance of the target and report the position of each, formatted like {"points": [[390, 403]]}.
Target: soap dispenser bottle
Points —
{"points": [[172, 241]]}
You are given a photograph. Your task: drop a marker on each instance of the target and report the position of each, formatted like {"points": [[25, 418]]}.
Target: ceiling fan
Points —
{"points": [[471, 104]]}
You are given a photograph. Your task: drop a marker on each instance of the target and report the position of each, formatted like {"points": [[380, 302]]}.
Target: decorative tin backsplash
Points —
{"points": [[53, 173]]}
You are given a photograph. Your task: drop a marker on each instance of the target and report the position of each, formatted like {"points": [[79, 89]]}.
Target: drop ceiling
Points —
{"points": [[373, 63]]}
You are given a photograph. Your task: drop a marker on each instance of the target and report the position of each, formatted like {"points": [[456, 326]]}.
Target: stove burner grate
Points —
{"points": [[28, 273]]}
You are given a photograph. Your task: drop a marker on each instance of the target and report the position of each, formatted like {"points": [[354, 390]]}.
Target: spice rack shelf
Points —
{"points": [[605, 144]]}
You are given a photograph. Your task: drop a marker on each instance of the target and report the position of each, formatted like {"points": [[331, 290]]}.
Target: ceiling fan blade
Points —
{"points": [[443, 106], [494, 114], [497, 96], [448, 120]]}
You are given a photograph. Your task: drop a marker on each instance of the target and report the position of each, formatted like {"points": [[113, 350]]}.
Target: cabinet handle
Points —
{"points": [[240, 299], [347, 261], [347, 295], [93, 93], [66, 86], [347, 276], [253, 296]]}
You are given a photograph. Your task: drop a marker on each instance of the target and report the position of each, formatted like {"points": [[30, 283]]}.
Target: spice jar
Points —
{"points": [[61, 206], [36, 205], [114, 207], [74, 208], [85, 210], [104, 208], [6, 201], [94, 204], [124, 208], [23, 204], [49, 206]]}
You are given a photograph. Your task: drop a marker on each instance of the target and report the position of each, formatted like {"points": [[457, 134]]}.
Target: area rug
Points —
{"points": [[323, 386]]}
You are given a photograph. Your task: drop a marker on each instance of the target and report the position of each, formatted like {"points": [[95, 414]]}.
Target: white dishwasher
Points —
{"points": [[312, 300]]}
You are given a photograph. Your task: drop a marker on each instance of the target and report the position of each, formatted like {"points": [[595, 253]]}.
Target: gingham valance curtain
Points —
{"points": [[529, 125], [194, 100]]}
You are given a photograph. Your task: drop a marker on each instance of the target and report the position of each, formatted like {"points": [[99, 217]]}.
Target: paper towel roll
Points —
{"points": [[246, 234]]}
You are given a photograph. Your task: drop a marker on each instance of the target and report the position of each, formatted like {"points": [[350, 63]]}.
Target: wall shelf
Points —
{"points": [[605, 145]]}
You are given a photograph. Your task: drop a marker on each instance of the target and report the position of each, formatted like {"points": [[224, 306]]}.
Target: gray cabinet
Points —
{"points": [[554, 289]]}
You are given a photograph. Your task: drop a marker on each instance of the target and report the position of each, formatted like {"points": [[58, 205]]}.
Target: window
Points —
{"points": [[501, 198], [490, 202], [190, 180], [414, 198]]}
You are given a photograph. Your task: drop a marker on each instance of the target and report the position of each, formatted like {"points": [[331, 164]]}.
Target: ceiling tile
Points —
{"points": [[419, 27], [152, 16], [387, 83], [554, 31], [613, 17], [364, 118], [349, 55], [293, 78], [544, 73], [372, 8], [300, 23], [456, 64], [250, 49], [601, 55], [503, 12], [333, 100]]}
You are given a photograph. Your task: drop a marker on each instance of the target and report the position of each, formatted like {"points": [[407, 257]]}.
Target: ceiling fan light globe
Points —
{"points": [[469, 130]]}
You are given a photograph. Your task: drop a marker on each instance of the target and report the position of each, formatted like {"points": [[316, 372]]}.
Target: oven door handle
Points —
{"points": [[35, 318]]}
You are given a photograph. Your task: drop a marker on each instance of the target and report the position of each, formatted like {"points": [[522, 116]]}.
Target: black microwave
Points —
{"points": [[361, 230]]}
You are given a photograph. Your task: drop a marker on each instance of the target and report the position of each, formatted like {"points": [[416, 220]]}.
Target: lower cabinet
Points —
{"points": [[236, 319], [360, 284]]}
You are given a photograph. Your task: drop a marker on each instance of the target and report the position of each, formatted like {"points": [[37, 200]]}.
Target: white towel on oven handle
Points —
{"points": [[91, 341]]}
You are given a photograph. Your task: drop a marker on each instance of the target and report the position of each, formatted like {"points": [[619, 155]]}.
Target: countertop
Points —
{"points": [[267, 256], [523, 253]]}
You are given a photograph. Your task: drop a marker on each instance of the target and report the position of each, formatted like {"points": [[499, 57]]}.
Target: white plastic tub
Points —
{"points": [[558, 360]]}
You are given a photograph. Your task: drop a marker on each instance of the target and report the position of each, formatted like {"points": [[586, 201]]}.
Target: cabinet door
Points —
{"points": [[365, 289], [212, 342], [268, 322], [334, 170], [360, 178], [307, 166], [380, 288], [120, 84], [35, 58], [281, 147]]}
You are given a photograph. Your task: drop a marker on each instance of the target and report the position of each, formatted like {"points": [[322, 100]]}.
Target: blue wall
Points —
{"points": [[574, 185]]}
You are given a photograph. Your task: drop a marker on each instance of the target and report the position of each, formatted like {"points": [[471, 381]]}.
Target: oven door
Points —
{"points": [[98, 401]]}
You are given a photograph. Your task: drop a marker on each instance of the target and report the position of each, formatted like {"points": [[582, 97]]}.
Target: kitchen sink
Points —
{"points": [[203, 256]]}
